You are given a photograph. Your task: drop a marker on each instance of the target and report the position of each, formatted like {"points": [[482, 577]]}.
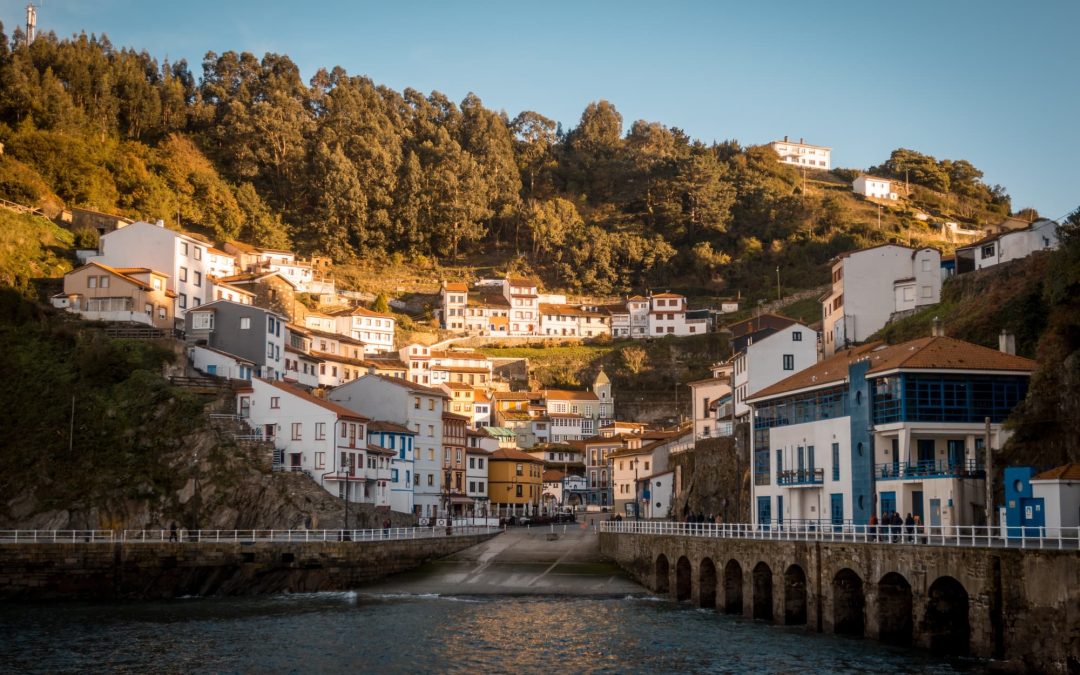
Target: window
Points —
{"points": [[198, 278], [431, 479], [927, 291], [518, 491], [198, 253], [202, 321], [157, 284], [518, 470], [149, 309], [320, 460], [431, 404], [196, 301], [104, 282], [297, 430], [183, 248], [789, 362], [836, 461], [926, 265], [416, 403], [320, 431], [161, 312], [91, 282], [183, 274], [275, 403], [988, 251], [183, 301], [431, 430], [796, 336]]}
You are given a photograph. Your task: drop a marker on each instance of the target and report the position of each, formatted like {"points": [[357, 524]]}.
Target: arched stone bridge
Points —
{"points": [[1019, 605]]}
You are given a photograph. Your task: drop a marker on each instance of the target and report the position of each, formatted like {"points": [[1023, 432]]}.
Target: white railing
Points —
{"points": [[235, 536], [1065, 538]]}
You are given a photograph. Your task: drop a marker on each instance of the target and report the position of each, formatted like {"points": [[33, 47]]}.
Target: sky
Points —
{"points": [[996, 83]]}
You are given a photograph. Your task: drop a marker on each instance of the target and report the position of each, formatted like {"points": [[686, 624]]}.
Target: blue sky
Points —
{"points": [[996, 83]]}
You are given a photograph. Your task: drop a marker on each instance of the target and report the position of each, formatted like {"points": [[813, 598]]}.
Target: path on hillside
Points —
{"points": [[520, 561]]}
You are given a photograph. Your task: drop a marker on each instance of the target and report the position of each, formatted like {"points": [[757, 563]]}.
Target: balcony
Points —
{"points": [[801, 477], [970, 468]]}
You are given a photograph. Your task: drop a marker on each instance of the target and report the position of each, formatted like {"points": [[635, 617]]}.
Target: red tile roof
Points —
{"points": [[513, 455], [1069, 471], [339, 410], [390, 427]]}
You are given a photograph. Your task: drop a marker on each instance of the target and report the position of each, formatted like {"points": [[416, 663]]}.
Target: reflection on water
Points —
{"points": [[338, 632]]}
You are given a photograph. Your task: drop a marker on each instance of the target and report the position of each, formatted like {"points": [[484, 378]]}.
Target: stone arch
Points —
{"points": [[661, 571], [894, 609], [849, 603], [683, 574], [794, 596], [762, 578], [733, 583], [945, 623], [707, 584]]}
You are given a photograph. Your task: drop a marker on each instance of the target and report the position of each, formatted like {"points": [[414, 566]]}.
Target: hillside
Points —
{"points": [[1037, 299], [428, 188], [31, 247]]}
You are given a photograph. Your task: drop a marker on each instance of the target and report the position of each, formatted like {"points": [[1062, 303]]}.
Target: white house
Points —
{"points": [[711, 403], [635, 462], [373, 329], [1059, 488], [803, 155], [879, 428], [872, 186], [320, 438], [657, 495], [182, 257], [220, 264], [770, 359], [1009, 245], [870, 285], [476, 478], [416, 407], [398, 440], [667, 316], [217, 363]]}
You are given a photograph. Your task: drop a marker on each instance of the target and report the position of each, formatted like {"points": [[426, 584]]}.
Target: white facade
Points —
{"points": [[876, 188], [476, 475], [185, 259], [399, 441], [709, 420], [667, 316], [771, 359], [220, 364], [375, 330], [658, 495], [316, 437], [220, 290], [803, 155], [220, 264], [1061, 504], [1041, 235], [419, 409], [868, 286]]}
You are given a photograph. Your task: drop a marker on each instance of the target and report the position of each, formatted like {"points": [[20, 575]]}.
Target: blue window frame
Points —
{"points": [[836, 461]]}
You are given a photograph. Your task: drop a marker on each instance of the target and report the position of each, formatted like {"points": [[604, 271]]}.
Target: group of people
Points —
{"points": [[893, 527]]}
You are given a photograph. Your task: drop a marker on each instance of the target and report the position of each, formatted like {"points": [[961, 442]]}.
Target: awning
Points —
{"points": [[460, 499]]}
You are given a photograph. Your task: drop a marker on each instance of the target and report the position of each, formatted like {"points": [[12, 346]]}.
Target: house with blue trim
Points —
{"points": [[881, 428], [396, 439]]}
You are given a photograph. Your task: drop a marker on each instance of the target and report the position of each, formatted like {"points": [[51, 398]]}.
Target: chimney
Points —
{"points": [[1007, 342], [785, 138], [936, 330], [801, 141]]}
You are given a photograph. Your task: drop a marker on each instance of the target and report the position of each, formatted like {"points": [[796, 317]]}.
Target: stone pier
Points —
{"points": [[108, 571], [1022, 606]]}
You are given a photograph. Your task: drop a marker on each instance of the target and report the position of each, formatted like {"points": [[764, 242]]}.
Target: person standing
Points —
{"points": [[909, 528], [172, 532], [873, 527]]}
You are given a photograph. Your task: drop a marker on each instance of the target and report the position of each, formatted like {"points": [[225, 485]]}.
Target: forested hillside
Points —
{"points": [[345, 166]]}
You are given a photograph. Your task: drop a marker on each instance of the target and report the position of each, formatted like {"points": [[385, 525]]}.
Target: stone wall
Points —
{"points": [[1009, 604], [110, 571], [714, 481]]}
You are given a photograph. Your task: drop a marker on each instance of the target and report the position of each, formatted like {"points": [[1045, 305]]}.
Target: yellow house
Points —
{"points": [[515, 479]]}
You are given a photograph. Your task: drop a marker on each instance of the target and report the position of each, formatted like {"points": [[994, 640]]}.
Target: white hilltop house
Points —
{"points": [[874, 187], [803, 155], [872, 284]]}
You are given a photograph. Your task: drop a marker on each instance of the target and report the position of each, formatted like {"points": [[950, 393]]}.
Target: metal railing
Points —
{"points": [[932, 468], [181, 536], [801, 477], [968, 536]]}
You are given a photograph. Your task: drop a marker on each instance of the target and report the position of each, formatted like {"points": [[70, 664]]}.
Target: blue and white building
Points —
{"points": [[398, 440], [884, 428]]}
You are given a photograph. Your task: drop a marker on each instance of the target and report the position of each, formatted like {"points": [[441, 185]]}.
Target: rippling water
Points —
{"points": [[339, 632]]}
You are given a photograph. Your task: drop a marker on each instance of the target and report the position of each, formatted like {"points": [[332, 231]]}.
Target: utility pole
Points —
{"points": [[778, 276], [71, 430], [989, 475]]}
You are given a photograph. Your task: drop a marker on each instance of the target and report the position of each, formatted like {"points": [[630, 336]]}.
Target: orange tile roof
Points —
{"points": [[514, 455], [668, 295], [564, 395], [949, 354], [928, 353], [457, 287], [411, 386], [339, 410], [1069, 471], [392, 427]]}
